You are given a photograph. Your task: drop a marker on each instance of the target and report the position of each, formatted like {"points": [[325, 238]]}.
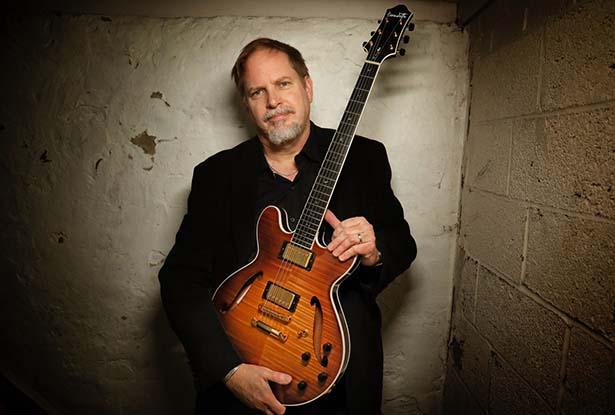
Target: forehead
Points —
{"points": [[266, 65]]}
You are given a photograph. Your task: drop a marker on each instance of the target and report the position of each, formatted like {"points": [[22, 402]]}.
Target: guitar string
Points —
{"points": [[338, 152], [339, 148]]}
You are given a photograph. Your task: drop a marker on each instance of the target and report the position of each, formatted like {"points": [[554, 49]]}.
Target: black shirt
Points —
{"points": [[274, 189]]}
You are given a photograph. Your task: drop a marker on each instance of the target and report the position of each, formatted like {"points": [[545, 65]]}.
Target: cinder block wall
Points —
{"points": [[534, 321]]}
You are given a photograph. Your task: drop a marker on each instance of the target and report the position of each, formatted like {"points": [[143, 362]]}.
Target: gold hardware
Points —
{"points": [[297, 255], [269, 330], [273, 314]]}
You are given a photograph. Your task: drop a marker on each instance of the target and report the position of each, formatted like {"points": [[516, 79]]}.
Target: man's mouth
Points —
{"points": [[278, 115]]}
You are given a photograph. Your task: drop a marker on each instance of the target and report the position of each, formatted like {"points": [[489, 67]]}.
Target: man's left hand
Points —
{"points": [[353, 236]]}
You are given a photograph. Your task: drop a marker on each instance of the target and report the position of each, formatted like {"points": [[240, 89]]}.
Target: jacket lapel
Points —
{"points": [[243, 200]]}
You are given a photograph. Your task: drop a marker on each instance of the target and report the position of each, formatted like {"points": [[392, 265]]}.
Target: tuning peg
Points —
{"points": [[406, 39], [402, 52], [365, 44], [379, 20], [410, 27], [372, 33]]}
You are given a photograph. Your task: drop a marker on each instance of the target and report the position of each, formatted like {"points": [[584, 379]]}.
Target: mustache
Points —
{"points": [[278, 111]]}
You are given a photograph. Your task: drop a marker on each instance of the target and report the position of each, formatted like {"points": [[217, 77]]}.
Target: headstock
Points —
{"points": [[385, 41]]}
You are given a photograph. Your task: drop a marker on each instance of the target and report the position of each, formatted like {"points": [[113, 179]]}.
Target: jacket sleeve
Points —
{"points": [[393, 238], [186, 285]]}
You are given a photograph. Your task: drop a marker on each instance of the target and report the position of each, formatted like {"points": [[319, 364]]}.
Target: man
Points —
{"points": [[217, 237]]}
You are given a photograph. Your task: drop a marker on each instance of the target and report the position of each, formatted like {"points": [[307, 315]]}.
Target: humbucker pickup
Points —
{"points": [[281, 296], [295, 254]]}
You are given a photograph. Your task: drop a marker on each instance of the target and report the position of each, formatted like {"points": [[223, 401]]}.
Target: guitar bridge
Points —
{"points": [[294, 254]]}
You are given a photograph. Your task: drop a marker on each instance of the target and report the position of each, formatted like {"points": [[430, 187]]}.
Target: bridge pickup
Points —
{"points": [[281, 296], [294, 254], [269, 330], [274, 314]]}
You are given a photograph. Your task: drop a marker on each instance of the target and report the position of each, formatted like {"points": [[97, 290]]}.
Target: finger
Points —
{"points": [[277, 377], [273, 404], [360, 249], [354, 221], [332, 219]]}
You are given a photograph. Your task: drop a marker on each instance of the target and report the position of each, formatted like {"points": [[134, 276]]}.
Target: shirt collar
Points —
{"points": [[314, 148]]}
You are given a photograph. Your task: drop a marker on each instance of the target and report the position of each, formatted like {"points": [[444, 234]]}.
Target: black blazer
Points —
{"points": [[217, 236]]}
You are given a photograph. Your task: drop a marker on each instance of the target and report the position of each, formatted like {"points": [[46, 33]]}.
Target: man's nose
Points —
{"points": [[273, 98]]}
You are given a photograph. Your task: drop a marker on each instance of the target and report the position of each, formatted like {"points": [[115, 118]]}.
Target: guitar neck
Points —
{"points": [[331, 168]]}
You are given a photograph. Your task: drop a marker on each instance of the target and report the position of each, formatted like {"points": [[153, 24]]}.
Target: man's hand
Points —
{"points": [[353, 236], [250, 384]]}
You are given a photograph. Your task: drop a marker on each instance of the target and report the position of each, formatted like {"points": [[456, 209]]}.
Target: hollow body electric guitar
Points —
{"points": [[282, 310]]}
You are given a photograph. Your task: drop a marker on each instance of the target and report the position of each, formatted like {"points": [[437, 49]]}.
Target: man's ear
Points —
{"points": [[309, 87]]}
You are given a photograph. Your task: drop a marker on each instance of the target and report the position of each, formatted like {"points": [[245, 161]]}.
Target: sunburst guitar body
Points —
{"points": [[281, 311]]}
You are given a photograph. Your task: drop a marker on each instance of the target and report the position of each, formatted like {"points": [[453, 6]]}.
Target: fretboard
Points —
{"points": [[328, 175]]}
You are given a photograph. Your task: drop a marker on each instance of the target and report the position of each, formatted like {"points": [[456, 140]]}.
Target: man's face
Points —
{"points": [[276, 97]]}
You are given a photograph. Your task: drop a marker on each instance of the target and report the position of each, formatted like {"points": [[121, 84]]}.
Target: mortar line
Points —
{"points": [[560, 111], [547, 208], [526, 237], [476, 278], [510, 153], [541, 59]]}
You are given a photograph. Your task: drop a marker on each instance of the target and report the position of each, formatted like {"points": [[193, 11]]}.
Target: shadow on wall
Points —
{"points": [[393, 298], [171, 361]]}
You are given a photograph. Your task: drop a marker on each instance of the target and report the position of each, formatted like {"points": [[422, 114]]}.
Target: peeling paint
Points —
{"points": [[158, 95], [145, 141]]}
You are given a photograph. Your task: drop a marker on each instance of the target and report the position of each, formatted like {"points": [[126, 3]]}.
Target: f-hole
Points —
{"points": [[317, 337], [241, 293]]}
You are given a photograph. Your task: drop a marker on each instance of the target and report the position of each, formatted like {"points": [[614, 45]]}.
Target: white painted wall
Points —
{"points": [[90, 215]]}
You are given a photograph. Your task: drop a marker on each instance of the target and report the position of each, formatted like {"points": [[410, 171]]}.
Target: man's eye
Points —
{"points": [[284, 84], [256, 93]]}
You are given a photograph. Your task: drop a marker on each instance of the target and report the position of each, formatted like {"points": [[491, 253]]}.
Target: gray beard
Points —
{"points": [[283, 135]]}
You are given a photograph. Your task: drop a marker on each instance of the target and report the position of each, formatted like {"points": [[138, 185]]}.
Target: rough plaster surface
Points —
{"points": [[102, 122]]}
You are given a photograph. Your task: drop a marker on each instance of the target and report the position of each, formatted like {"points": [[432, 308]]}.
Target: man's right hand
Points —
{"points": [[250, 384]]}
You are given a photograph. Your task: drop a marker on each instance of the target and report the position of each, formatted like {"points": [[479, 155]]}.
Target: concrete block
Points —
{"points": [[470, 355], [457, 400], [505, 83], [487, 156], [579, 61], [566, 161], [511, 395], [492, 231], [527, 335], [589, 371], [570, 263]]}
